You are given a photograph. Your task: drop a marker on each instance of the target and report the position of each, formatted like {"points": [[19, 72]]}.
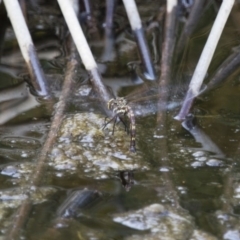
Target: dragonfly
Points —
{"points": [[121, 107]]}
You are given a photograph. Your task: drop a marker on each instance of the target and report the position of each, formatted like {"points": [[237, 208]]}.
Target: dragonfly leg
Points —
{"points": [[125, 124], [114, 123], [106, 123]]}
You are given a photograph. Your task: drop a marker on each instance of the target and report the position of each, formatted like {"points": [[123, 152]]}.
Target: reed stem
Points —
{"points": [[166, 61], [84, 50], [37, 176], [205, 59], [190, 25], [20, 28], [136, 25]]}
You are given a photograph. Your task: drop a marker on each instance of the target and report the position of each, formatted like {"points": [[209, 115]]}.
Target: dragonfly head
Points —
{"points": [[119, 102]]}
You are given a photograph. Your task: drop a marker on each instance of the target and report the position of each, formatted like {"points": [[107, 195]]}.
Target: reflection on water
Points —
{"points": [[186, 177]]}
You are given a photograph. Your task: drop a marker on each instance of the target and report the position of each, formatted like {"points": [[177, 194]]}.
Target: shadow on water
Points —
{"points": [[182, 183]]}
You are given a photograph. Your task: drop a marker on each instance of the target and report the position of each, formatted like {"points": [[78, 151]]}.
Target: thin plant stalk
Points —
{"points": [[87, 6], [76, 7], [228, 195], [37, 176], [190, 25], [77, 34], [20, 28], [136, 25], [205, 59], [84, 50], [110, 6], [167, 53], [91, 20], [228, 67], [109, 52]]}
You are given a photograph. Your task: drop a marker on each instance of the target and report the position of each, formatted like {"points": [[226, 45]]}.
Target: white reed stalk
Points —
{"points": [[171, 4], [26, 46], [19, 26], [136, 25], [206, 57], [77, 34], [133, 15], [210, 46]]}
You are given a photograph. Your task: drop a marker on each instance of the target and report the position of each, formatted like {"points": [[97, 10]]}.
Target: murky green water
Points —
{"points": [[180, 184]]}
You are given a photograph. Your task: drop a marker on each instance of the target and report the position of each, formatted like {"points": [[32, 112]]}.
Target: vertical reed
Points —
{"points": [[205, 59]]}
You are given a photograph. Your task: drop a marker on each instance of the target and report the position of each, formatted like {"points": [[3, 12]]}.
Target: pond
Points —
{"points": [[80, 181]]}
